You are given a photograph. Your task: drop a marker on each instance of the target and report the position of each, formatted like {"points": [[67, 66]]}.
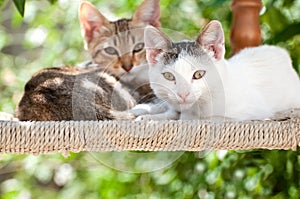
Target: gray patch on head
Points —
{"points": [[188, 47]]}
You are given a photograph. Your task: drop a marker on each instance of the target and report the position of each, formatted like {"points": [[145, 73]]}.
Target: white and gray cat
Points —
{"points": [[197, 82]]}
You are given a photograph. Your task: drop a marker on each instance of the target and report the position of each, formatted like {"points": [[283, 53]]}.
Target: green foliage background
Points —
{"points": [[49, 35]]}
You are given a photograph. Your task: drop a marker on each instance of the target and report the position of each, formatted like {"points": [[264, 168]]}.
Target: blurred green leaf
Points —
{"points": [[52, 1], [287, 33], [20, 4], [275, 19], [288, 3]]}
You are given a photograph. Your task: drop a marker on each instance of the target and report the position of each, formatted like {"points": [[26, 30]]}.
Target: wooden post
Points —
{"points": [[245, 28]]}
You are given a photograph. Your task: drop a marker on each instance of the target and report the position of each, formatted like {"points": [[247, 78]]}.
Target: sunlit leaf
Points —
{"points": [[20, 4], [275, 19]]}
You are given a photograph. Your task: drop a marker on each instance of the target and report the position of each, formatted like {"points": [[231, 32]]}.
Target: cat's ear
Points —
{"points": [[212, 39], [148, 13], [155, 43], [91, 20]]}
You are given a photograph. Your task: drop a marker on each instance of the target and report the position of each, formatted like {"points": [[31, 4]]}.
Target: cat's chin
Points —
{"points": [[180, 106]]}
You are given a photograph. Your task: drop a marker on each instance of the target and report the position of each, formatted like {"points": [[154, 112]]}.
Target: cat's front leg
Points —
{"points": [[188, 116], [192, 113], [170, 114], [155, 106]]}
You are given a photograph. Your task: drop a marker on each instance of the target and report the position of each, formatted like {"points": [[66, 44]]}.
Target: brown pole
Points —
{"points": [[245, 28]]}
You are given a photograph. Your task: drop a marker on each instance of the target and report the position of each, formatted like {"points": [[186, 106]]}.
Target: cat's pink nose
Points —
{"points": [[127, 67], [183, 95]]}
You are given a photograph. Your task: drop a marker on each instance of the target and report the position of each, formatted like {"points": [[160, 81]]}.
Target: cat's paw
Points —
{"points": [[140, 109], [144, 118], [120, 115], [137, 112]]}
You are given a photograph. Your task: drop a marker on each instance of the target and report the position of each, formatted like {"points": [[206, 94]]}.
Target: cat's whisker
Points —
{"points": [[192, 70]]}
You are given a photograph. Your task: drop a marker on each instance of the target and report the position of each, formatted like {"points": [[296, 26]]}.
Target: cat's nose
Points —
{"points": [[183, 95], [127, 67]]}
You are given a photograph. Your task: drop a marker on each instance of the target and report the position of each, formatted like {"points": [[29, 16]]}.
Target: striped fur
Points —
{"points": [[119, 81]]}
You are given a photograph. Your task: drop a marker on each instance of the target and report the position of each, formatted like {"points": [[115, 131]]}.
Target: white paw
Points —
{"points": [[137, 112], [144, 117], [140, 109]]}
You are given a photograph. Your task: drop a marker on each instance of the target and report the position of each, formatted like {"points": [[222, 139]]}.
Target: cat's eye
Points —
{"points": [[138, 47], [169, 76], [111, 51], [198, 74]]}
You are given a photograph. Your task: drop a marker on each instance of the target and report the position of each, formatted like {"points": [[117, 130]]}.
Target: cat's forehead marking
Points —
{"points": [[121, 25], [184, 47], [123, 36]]}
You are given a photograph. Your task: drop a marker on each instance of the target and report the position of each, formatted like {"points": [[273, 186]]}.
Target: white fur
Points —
{"points": [[256, 83]]}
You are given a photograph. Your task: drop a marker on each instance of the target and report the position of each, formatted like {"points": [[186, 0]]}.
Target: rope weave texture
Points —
{"points": [[64, 136]]}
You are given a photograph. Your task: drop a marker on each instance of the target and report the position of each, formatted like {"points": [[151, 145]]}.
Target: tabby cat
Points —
{"points": [[113, 81]]}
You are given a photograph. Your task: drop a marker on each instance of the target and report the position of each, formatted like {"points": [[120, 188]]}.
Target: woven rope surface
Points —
{"points": [[51, 137]]}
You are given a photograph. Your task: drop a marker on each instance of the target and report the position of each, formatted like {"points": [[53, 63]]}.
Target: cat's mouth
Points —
{"points": [[184, 102], [184, 105]]}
